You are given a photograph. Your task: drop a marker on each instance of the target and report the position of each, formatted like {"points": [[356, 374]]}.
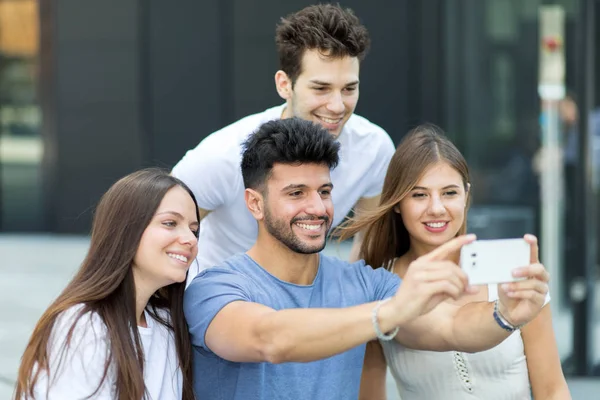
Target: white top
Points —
{"points": [[496, 374], [212, 171], [83, 365]]}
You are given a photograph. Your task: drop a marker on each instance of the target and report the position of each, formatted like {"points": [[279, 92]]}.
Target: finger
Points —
{"points": [[449, 248], [445, 288], [536, 271], [534, 257], [438, 270], [526, 285], [530, 295], [470, 289]]}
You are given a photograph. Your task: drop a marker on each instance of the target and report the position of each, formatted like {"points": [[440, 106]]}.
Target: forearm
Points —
{"points": [[303, 335], [558, 393], [474, 328]]}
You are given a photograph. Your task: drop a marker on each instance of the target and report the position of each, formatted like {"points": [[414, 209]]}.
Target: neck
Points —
{"points": [[286, 113], [143, 292], [283, 263], [417, 250]]}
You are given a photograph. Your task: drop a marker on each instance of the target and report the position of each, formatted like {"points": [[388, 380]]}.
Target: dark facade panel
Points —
{"points": [[93, 99], [183, 74]]}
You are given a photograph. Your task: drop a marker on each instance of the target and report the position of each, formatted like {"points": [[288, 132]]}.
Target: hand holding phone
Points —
{"points": [[492, 261]]}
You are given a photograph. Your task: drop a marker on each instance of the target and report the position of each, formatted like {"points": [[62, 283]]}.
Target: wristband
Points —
{"points": [[380, 334], [503, 322]]}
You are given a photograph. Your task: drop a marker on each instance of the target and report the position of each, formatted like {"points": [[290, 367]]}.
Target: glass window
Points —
{"points": [[495, 116], [20, 120]]}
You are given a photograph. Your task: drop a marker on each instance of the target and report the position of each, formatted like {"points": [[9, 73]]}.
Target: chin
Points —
{"points": [[178, 278]]}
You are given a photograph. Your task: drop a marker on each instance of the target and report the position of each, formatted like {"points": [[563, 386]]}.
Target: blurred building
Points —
{"points": [[92, 90]]}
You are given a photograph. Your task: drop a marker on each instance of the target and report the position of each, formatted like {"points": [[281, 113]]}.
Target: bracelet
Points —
{"points": [[381, 335], [503, 322]]}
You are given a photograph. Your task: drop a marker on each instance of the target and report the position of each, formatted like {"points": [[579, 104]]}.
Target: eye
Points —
{"points": [[325, 192], [170, 223], [350, 89], [319, 88], [296, 193], [418, 195], [451, 193], [196, 232]]}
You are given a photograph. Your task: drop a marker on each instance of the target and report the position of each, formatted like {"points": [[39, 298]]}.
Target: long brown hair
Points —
{"points": [[104, 284], [385, 236]]}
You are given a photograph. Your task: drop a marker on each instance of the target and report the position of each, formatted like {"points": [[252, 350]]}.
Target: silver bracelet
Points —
{"points": [[502, 321], [381, 335]]}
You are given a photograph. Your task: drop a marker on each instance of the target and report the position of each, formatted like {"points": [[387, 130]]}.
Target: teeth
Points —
{"points": [[309, 227], [436, 224], [330, 121], [178, 257]]}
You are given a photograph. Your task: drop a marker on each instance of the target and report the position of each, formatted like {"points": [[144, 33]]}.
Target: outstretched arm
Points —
{"points": [[472, 327]]}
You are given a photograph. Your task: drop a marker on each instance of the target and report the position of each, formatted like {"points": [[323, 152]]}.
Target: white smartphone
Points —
{"points": [[492, 261]]}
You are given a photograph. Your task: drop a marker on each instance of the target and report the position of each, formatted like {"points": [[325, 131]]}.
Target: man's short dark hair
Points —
{"points": [[286, 141], [329, 28]]}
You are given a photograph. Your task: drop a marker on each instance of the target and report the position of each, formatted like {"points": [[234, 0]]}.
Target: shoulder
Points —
{"points": [[360, 127], [80, 333], [330, 263], [81, 321], [224, 145], [234, 272]]}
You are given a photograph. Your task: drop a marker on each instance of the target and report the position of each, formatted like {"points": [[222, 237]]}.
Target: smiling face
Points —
{"points": [[434, 210], [298, 210], [325, 92], [169, 243]]}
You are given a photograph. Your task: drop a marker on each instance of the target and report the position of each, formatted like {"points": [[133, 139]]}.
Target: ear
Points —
{"points": [[467, 193], [283, 84], [255, 203]]}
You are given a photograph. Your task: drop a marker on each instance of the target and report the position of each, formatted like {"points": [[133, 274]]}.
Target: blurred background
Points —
{"points": [[92, 90]]}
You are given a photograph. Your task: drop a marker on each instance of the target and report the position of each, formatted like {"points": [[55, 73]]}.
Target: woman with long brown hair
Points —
{"points": [[117, 331], [423, 205]]}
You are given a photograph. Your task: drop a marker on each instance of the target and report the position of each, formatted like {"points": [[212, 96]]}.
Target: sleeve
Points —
{"points": [[75, 371], [381, 160], [384, 284], [211, 172], [209, 292]]}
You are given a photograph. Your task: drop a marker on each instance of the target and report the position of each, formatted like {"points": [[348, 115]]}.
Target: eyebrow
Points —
{"points": [[318, 82], [178, 215], [303, 186], [445, 187]]}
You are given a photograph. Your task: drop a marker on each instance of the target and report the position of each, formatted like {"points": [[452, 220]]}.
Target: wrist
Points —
{"points": [[501, 318], [384, 319]]}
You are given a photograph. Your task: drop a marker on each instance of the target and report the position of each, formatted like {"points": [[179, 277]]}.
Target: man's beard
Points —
{"points": [[283, 232]]}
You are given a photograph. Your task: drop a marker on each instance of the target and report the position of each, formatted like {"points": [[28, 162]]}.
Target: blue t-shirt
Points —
{"points": [[337, 284]]}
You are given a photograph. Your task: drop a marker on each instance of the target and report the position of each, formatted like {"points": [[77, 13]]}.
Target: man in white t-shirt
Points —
{"points": [[320, 49]]}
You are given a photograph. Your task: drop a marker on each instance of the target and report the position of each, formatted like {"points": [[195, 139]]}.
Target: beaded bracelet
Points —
{"points": [[503, 322], [380, 334]]}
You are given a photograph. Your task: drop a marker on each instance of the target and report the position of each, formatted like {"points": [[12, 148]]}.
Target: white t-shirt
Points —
{"points": [[82, 367], [499, 373], [212, 171]]}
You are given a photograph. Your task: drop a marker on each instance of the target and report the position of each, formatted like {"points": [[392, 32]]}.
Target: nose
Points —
{"points": [[336, 103], [436, 206], [316, 205], [187, 237]]}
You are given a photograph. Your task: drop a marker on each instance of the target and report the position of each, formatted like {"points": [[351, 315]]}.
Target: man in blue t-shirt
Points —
{"points": [[283, 321]]}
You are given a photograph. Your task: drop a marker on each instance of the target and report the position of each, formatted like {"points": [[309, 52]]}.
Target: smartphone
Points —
{"points": [[492, 261]]}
